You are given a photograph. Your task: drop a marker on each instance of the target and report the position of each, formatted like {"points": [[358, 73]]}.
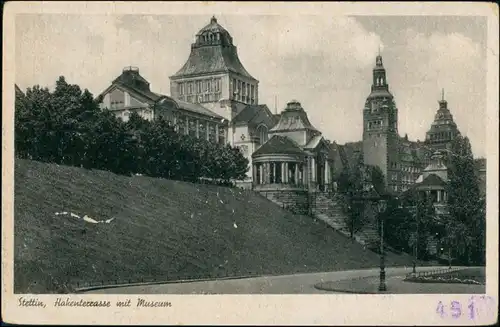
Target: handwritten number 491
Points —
{"points": [[455, 308]]}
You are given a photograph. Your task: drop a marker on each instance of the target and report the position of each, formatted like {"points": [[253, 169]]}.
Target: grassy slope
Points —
{"points": [[162, 229]]}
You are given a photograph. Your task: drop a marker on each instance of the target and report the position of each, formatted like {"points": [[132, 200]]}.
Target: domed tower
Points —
{"points": [[443, 129], [380, 128], [214, 76], [295, 124]]}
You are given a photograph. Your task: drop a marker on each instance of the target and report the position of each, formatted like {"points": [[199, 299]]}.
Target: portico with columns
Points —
{"points": [[431, 185], [296, 156]]}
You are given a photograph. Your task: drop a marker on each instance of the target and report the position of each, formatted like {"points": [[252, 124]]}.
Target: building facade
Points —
{"points": [[130, 92], [214, 76], [212, 96], [296, 157], [380, 128], [443, 129], [400, 159]]}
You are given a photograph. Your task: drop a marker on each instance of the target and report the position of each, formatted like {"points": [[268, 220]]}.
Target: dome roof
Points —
{"points": [[213, 27], [212, 52]]}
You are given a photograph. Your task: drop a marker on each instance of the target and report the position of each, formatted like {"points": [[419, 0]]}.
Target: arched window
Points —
{"points": [[262, 132]]}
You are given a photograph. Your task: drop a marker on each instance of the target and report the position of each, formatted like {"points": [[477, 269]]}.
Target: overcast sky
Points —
{"points": [[323, 62]]}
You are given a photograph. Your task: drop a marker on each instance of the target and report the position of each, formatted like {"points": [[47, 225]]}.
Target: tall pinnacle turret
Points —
{"points": [[443, 129], [380, 87]]}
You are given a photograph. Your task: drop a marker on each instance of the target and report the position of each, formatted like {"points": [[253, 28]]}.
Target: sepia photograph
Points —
{"points": [[213, 152]]}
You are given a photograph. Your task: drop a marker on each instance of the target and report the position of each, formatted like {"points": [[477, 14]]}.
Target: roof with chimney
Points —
{"points": [[131, 81], [212, 52]]}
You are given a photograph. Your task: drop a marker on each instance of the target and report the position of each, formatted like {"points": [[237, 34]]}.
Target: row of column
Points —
{"points": [[441, 195], [207, 129], [290, 172], [278, 173], [313, 167]]}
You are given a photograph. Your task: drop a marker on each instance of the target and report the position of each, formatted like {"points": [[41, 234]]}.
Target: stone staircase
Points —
{"points": [[327, 207], [368, 236], [293, 201]]}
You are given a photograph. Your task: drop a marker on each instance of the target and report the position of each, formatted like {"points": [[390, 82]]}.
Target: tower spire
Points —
{"points": [[442, 94]]}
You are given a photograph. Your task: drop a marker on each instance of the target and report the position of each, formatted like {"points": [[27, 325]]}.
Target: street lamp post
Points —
{"points": [[449, 256], [371, 196], [381, 208], [415, 243]]}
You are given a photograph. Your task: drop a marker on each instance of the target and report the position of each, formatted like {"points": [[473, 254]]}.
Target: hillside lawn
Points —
{"points": [[162, 230]]}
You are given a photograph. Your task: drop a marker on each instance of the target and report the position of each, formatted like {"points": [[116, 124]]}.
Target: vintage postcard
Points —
{"points": [[250, 163]]}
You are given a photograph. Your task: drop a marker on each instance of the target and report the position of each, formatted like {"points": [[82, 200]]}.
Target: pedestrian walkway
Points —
{"points": [[396, 285], [285, 284]]}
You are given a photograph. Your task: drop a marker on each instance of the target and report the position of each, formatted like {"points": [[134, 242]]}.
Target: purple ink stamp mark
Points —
{"points": [[440, 309], [456, 309], [477, 306]]}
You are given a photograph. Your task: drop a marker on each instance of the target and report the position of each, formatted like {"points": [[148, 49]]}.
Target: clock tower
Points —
{"points": [[380, 128]]}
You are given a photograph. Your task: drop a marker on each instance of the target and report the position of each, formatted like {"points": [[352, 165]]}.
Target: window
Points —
{"points": [[222, 134], [192, 127], [238, 96], [202, 130], [262, 133], [217, 84], [181, 125], [198, 87], [211, 132]]}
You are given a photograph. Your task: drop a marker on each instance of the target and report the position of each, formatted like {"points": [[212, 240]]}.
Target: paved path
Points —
{"points": [[397, 285], [286, 284]]}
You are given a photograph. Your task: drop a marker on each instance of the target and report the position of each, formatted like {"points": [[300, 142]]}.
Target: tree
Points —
{"points": [[466, 220], [424, 226], [68, 127], [397, 220], [351, 184], [412, 220]]}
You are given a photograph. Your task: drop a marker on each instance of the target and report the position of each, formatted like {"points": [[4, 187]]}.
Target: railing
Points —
{"points": [[433, 272]]}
